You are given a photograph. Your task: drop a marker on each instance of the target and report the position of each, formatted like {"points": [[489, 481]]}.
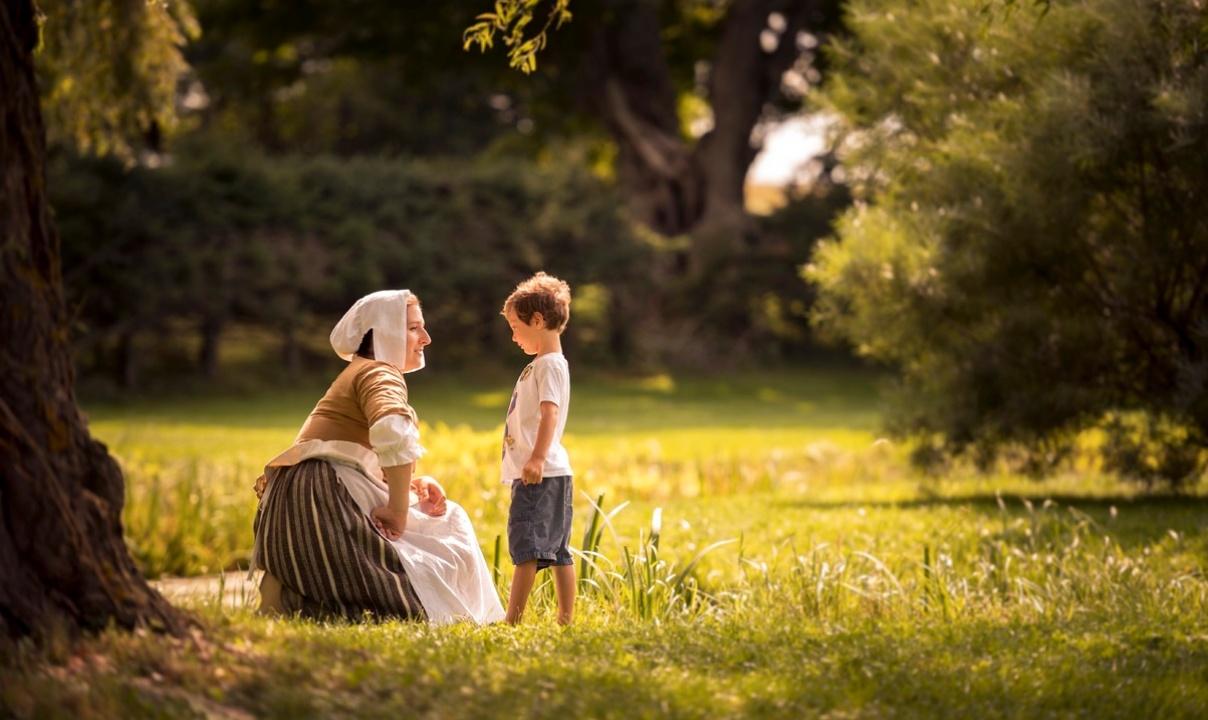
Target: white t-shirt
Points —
{"points": [[545, 379]]}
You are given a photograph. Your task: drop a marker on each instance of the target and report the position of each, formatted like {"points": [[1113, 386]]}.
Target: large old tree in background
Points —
{"points": [[62, 556], [677, 186], [668, 95], [392, 77]]}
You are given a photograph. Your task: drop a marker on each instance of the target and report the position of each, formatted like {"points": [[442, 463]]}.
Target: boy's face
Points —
{"points": [[526, 335]]}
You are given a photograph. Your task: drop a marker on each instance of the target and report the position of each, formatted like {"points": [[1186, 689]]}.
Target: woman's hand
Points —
{"points": [[431, 496], [389, 522]]}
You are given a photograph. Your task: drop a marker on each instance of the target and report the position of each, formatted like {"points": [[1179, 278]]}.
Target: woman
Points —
{"points": [[344, 526]]}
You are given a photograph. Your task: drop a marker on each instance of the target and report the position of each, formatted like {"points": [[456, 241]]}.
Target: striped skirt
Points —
{"points": [[330, 560]]}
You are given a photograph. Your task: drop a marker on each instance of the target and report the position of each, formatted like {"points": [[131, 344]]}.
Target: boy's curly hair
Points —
{"points": [[543, 294]]}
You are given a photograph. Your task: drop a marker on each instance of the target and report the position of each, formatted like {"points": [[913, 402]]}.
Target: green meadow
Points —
{"points": [[653, 440], [758, 550]]}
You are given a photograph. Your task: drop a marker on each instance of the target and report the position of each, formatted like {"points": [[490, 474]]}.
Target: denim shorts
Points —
{"points": [[539, 522]]}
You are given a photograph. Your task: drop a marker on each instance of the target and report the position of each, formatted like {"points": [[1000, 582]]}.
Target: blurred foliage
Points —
{"points": [[155, 258], [778, 304], [108, 71], [1153, 450], [221, 238], [313, 78], [203, 215], [1029, 248], [393, 78]]}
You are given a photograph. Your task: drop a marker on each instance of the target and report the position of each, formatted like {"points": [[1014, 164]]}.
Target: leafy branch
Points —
{"points": [[509, 22]]}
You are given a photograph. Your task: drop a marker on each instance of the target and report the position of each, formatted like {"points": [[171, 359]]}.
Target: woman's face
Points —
{"points": [[417, 338]]}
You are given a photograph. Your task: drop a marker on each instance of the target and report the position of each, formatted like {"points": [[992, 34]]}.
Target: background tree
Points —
{"points": [[156, 256], [1031, 253], [62, 556], [179, 247], [108, 72], [643, 60], [638, 70]]}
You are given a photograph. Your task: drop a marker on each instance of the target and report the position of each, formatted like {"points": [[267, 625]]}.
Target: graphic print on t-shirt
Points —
{"points": [[508, 440]]}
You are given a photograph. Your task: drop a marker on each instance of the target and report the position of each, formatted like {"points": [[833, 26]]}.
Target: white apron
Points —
{"points": [[440, 554]]}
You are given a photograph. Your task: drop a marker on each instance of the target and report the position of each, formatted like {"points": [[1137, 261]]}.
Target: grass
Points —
{"points": [[852, 585], [190, 463], [748, 663]]}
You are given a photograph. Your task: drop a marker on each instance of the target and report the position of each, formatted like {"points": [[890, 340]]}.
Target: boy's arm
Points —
{"points": [[531, 475]]}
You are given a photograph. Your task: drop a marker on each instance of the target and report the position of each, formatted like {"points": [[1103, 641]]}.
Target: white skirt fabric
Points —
{"points": [[441, 555]]}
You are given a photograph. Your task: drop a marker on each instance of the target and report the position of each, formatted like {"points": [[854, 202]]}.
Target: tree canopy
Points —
{"points": [[1030, 250], [657, 100], [108, 71]]}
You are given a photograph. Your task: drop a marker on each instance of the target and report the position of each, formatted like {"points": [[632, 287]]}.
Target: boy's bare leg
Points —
{"points": [[270, 596], [564, 589], [522, 585]]}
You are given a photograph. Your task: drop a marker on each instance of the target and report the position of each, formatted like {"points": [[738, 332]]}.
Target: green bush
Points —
{"points": [[219, 238], [1028, 246], [1153, 450]]}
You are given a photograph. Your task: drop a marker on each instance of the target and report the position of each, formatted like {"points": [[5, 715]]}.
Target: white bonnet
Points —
{"points": [[384, 312]]}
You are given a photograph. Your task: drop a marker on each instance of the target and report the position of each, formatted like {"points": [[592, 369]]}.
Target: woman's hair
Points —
{"points": [[366, 348]]}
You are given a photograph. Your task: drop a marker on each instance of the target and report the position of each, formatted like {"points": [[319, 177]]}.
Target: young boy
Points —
{"points": [[534, 462]]}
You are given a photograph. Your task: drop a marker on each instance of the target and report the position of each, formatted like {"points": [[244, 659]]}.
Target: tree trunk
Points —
{"points": [[633, 92], [62, 557], [675, 187]]}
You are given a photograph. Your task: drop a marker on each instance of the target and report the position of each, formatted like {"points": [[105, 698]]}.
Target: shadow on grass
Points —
{"points": [[1015, 502], [1131, 520]]}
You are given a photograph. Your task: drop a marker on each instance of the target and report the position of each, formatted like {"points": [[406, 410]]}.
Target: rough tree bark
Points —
{"points": [[673, 186], [62, 557]]}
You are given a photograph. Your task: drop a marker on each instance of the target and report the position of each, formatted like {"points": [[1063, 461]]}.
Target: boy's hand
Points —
{"points": [[531, 475], [389, 522]]}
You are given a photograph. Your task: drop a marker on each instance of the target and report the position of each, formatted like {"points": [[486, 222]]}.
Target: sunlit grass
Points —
{"points": [[767, 658], [787, 472], [765, 460], [190, 463], [764, 555]]}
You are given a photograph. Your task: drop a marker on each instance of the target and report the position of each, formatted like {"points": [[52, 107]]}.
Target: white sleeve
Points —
{"points": [[395, 439], [552, 383]]}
